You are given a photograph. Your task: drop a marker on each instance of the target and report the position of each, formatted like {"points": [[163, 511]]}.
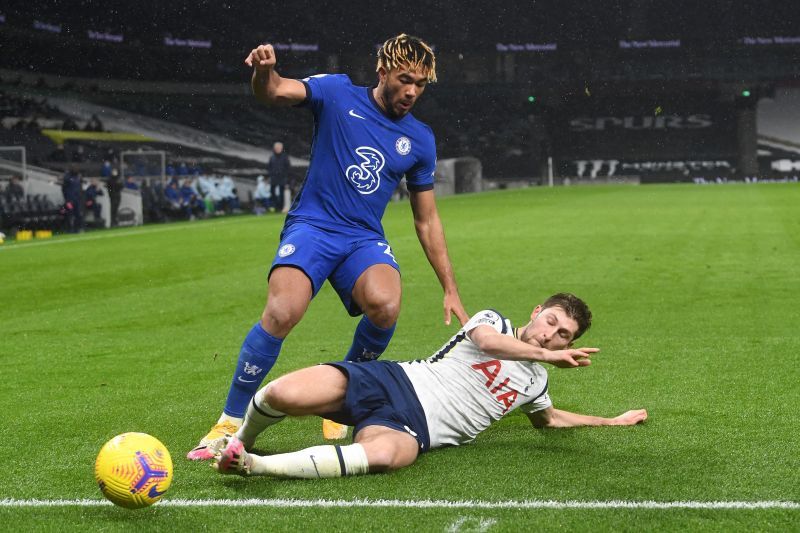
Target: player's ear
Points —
{"points": [[538, 309], [382, 73]]}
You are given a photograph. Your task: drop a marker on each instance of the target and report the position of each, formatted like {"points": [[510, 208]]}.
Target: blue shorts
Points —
{"points": [[380, 394], [334, 255]]}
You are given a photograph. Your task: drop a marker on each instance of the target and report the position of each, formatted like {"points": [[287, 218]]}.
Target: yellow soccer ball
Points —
{"points": [[133, 470]]}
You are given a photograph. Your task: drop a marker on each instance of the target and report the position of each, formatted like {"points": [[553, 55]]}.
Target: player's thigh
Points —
{"points": [[288, 298], [387, 448], [290, 286], [305, 257], [310, 391], [378, 284], [365, 276], [312, 251]]}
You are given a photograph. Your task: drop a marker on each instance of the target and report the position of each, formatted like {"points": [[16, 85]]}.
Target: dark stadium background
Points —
{"points": [[631, 91]]}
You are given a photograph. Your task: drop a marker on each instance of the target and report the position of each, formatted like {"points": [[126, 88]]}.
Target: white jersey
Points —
{"points": [[463, 390]]}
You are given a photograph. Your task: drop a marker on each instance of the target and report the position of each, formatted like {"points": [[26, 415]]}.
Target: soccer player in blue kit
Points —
{"points": [[365, 141]]}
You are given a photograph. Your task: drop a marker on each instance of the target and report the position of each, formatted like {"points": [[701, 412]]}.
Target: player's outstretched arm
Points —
{"points": [[558, 418], [510, 349], [431, 236], [268, 86]]}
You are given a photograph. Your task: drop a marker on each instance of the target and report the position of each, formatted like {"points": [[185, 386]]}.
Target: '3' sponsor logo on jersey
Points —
{"points": [[366, 176]]}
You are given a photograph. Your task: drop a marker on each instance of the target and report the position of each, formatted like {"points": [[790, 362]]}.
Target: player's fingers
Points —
{"points": [[589, 350], [447, 316], [260, 54], [266, 52], [253, 59], [635, 416], [571, 360]]}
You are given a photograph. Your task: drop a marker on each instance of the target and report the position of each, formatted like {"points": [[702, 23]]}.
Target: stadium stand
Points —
{"points": [[518, 104]]}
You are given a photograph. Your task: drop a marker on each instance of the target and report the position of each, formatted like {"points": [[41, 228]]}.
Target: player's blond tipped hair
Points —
{"points": [[410, 52]]}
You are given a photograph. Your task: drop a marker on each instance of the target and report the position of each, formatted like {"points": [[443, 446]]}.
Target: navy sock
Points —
{"points": [[258, 354], [369, 341]]}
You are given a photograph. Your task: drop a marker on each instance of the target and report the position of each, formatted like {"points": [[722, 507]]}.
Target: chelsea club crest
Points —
{"points": [[403, 145]]}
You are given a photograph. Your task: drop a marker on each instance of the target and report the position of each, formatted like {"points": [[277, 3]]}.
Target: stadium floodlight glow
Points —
{"points": [[532, 99], [746, 93]]}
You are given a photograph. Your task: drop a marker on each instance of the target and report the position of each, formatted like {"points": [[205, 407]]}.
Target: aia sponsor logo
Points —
{"points": [[504, 394]]}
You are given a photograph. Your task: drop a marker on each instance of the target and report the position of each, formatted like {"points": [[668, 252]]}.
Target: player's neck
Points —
{"points": [[521, 333], [377, 97]]}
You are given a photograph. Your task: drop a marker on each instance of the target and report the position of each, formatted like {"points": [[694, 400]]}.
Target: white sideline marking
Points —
{"points": [[430, 504], [100, 234]]}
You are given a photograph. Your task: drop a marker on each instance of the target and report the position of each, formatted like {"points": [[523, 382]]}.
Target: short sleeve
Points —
{"points": [[420, 177], [487, 317], [321, 87], [539, 403]]}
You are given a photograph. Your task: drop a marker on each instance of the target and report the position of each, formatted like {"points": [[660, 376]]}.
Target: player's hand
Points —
{"points": [[570, 358], [630, 418], [261, 58], [452, 305]]}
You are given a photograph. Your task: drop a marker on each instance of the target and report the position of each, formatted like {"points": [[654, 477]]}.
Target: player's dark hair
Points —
{"points": [[409, 51], [574, 307]]}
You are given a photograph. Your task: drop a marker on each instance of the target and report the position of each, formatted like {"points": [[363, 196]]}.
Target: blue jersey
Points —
{"points": [[358, 156]]}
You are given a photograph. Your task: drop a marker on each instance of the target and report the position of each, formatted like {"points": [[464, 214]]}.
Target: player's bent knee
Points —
{"points": [[280, 395], [383, 314], [387, 449], [390, 459], [279, 321], [381, 460]]}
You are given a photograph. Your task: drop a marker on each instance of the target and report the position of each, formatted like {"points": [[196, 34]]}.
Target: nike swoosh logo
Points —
{"points": [[315, 465], [354, 114], [246, 380], [154, 492]]}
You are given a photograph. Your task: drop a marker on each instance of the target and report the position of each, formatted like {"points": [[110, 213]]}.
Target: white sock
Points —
{"points": [[259, 416], [312, 463]]}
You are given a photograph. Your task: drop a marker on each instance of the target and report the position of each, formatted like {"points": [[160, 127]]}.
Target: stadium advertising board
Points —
{"points": [[671, 140], [771, 41], [526, 47], [649, 43]]}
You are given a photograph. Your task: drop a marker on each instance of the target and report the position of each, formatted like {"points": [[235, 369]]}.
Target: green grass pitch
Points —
{"points": [[696, 297]]}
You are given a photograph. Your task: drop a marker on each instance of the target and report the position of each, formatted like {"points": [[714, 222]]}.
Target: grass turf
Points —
{"points": [[694, 291]]}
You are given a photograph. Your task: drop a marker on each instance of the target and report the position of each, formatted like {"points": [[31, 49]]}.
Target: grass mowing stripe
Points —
{"points": [[695, 292], [428, 504], [124, 232]]}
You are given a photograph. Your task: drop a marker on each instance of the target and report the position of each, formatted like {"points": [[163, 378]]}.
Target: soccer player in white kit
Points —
{"points": [[401, 409]]}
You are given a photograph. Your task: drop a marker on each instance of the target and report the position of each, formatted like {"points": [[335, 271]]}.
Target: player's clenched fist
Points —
{"points": [[261, 58]]}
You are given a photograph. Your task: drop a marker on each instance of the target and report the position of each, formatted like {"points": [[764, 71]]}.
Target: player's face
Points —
{"points": [[401, 88], [552, 328]]}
